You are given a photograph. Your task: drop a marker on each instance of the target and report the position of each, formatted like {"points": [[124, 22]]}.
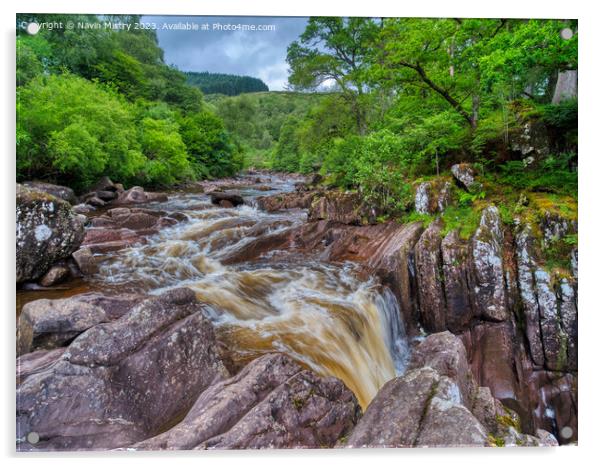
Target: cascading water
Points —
{"points": [[321, 314]]}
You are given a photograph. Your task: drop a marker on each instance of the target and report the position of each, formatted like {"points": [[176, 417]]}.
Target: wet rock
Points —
{"points": [[457, 281], [465, 176], [95, 201], [120, 382], [137, 195], [346, 208], [421, 408], [296, 200], [106, 195], [47, 231], [446, 354], [391, 255], [50, 323], [493, 360], [487, 256], [58, 273], [83, 208], [85, 261], [61, 192], [428, 275], [226, 204], [556, 406], [271, 403], [233, 198]]}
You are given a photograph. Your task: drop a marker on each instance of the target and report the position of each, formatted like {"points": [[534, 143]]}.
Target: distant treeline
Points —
{"points": [[227, 84]]}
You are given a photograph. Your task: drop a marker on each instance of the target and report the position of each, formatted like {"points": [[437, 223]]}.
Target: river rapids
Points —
{"points": [[321, 314]]}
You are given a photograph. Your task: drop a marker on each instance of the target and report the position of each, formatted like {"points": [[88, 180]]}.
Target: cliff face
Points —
{"points": [[516, 316]]}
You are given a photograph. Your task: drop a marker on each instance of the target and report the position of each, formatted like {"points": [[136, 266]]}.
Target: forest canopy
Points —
{"points": [[103, 102], [227, 84], [373, 105]]}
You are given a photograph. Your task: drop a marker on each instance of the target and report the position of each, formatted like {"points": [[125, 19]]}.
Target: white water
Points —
{"points": [[321, 314]]}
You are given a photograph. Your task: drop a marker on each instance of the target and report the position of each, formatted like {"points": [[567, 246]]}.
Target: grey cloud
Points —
{"points": [[260, 54]]}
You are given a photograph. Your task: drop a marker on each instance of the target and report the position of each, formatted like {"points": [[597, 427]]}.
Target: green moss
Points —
{"points": [[496, 441], [509, 421], [464, 219]]}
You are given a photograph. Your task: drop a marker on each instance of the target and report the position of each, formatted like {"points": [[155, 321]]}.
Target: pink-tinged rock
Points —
{"points": [[121, 382], [431, 296]]}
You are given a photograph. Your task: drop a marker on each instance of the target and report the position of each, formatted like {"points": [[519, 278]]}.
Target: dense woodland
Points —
{"points": [[406, 98], [227, 84], [103, 102]]}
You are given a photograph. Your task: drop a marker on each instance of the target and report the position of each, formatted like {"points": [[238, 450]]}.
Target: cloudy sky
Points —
{"points": [[261, 54]]}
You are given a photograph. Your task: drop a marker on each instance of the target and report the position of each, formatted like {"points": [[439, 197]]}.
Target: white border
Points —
{"points": [[590, 172]]}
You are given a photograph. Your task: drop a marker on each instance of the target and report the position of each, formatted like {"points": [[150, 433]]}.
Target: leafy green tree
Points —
{"points": [[333, 49], [212, 152], [72, 131], [286, 155], [166, 152]]}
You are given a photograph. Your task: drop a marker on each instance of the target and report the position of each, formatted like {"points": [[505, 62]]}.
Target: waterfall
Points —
{"points": [[321, 314], [394, 330]]}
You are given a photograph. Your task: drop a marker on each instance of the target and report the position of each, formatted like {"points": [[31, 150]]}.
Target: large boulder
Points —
{"points": [[137, 195], [421, 408], [121, 382], [271, 403], [531, 141], [438, 404], [51, 323], [340, 207], [47, 231], [296, 200], [219, 197], [62, 192], [465, 176]]}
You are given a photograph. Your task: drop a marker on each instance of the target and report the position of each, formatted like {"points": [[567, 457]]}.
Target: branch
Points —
{"points": [[439, 90]]}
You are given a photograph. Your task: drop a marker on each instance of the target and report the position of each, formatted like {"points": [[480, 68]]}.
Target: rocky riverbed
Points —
{"points": [[266, 312]]}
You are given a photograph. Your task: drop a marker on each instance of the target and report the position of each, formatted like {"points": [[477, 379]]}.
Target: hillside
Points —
{"points": [[227, 84], [256, 120]]}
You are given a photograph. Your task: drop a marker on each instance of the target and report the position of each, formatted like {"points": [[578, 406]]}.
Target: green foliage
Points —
{"points": [[465, 219], [286, 156], [227, 84], [554, 174], [104, 103], [379, 169], [163, 146], [73, 131]]}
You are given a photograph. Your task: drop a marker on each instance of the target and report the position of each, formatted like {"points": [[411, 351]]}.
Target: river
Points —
{"points": [[322, 314]]}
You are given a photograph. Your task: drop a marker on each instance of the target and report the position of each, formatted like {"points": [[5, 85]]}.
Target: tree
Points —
{"points": [[72, 131], [333, 49]]}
